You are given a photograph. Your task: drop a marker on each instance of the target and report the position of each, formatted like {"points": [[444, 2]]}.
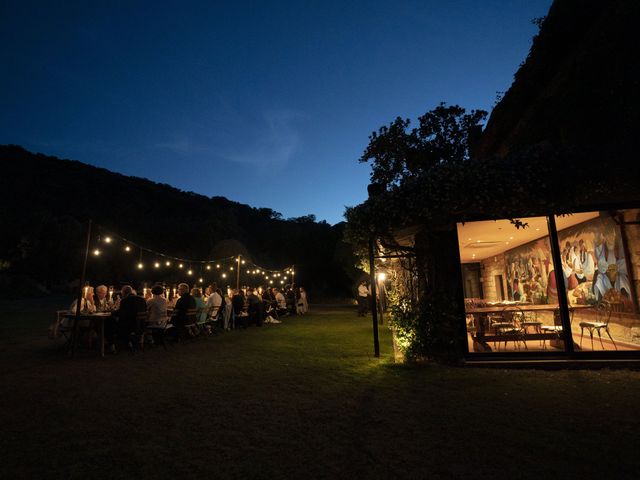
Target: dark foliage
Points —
{"points": [[45, 203]]}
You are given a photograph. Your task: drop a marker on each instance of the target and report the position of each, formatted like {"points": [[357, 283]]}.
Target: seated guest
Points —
{"points": [[237, 302], [214, 301], [255, 308], [100, 299], [127, 314], [157, 307], [196, 293], [290, 296], [281, 302], [86, 304], [227, 313], [184, 303]]}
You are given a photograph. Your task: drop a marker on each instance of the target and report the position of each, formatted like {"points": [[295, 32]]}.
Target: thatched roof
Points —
{"points": [[579, 86]]}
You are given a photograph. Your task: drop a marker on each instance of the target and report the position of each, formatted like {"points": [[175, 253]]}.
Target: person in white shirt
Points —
{"points": [[213, 300], [157, 307], [363, 299]]}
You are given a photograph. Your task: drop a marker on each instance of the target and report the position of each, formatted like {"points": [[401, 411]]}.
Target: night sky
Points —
{"points": [[265, 103]]}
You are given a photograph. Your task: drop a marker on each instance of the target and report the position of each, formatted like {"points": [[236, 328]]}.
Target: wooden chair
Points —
{"points": [[603, 315]]}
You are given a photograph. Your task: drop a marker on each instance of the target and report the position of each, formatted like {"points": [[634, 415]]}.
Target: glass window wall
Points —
{"points": [[600, 254], [511, 296]]}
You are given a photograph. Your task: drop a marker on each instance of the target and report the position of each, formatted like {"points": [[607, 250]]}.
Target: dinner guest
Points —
{"points": [[127, 323], [86, 302], [214, 301], [184, 303], [255, 308], [281, 302], [303, 303], [196, 293], [100, 299], [157, 307]]}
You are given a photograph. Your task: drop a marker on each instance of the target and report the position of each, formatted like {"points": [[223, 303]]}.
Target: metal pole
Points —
{"points": [[76, 321], [563, 304], [238, 275], [374, 306]]}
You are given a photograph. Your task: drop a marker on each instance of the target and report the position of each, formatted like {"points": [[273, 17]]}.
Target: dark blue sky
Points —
{"points": [[266, 103]]}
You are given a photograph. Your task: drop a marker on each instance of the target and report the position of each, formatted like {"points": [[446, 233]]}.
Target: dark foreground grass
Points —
{"points": [[304, 399]]}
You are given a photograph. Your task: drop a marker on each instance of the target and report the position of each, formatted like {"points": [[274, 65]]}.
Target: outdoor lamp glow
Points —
{"points": [[157, 264], [96, 252], [168, 263], [180, 266], [140, 266], [127, 248], [382, 276], [189, 272], [107, 239]]}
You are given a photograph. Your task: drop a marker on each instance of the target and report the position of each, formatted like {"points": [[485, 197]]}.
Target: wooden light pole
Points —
{"points": [[76, 320], [238, 275]]}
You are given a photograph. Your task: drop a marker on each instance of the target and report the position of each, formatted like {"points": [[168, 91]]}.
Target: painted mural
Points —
{"points": [[594, 264], [528, 273]]}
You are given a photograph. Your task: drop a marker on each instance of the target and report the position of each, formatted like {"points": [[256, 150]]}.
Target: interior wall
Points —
{"points": [[490, 268]]}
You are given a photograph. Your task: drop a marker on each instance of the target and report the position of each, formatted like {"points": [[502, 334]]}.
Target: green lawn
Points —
{"points": [[305, 399]]}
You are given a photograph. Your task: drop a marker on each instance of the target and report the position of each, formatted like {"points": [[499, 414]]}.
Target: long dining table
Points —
{"points": [[480, 314]]}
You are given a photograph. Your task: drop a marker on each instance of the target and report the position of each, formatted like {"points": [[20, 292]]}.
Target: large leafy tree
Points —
{"points": [[398, 152]]}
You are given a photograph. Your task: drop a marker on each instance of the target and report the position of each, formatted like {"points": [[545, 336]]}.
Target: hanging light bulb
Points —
{"points": [[189, 272], [217, 265], [127, 248], [243, 262], [231, 268], [140, 266], [180, 266], [224, 275], [96, 252], [167, 263], [157, 264], [107, 239], [208, 267], [200, 280]]}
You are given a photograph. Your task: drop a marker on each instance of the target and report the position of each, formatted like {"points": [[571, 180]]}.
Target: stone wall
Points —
{"points": [[491, 267]]}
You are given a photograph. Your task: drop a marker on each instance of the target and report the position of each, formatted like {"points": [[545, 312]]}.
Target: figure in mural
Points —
{"points": [[611, 270]]}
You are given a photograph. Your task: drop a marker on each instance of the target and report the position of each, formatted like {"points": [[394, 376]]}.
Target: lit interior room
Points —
{"points": [[512, 294]]}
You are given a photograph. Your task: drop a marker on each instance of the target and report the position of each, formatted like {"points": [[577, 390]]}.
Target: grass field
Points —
{"points": [[304, 399]]}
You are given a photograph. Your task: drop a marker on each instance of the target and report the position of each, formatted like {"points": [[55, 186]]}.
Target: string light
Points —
{"points": [[217, 265], [96, 252], [127, 248], [167, 263], [208, 267], [107, 239], [200, 280], [243, 262], [140, 266], [224, 275], [190, 272], [180, 266], [157, 264], [231, 268]]}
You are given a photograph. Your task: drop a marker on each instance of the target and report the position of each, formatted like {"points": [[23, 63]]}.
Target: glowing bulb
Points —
{"points": [[224, 275], [127, 248], [285, 277], [180, 266], [231, 268], [140, 266], [208, 267], [248, 272], [107, 239], [157, 264], [200, 280], [243, 262], [382, 276], [96, 252], [281, 282], [217, 265], [189, 272], [168, 263], [271, 282], [258, 271], [266, 277]]}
